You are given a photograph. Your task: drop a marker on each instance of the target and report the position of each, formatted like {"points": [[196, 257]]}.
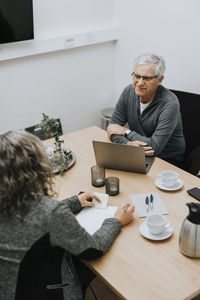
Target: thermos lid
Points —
{"points": [[194, 212]]}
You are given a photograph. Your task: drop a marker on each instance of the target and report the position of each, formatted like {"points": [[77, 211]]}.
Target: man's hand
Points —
{"points": [[115, 129], [120, 130], [148, 150]]}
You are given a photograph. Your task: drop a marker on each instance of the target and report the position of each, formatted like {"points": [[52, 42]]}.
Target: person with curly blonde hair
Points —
{"points": [[26, 173], [41, 242]]}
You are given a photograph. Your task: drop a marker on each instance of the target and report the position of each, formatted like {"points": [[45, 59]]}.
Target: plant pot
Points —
{"points": [[61, 161]]}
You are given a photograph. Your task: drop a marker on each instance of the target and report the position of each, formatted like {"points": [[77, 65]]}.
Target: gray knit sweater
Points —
{"points": [[57, 219], [159, 125]]}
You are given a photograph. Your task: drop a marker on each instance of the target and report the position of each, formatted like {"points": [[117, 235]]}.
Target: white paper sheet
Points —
{"points": [[92, 218], [103, 198], [138, 201]]}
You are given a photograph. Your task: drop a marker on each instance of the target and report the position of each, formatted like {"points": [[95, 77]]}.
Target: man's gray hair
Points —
{"points": [[157, 62]]}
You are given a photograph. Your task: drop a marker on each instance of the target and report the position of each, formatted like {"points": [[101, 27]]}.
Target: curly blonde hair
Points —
{"points": [[26, 173]]}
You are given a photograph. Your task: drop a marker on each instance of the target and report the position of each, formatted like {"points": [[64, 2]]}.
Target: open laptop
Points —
{"points": [[122, 157]]}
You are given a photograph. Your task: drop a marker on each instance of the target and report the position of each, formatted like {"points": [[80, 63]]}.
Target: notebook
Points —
{"points": [[122, 157], [92, 218], [138, 201]]}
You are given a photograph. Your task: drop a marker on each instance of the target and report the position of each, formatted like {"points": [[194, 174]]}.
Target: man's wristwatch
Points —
{"points": [[127, 132]]}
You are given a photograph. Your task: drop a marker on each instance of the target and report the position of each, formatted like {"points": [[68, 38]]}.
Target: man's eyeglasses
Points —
{"points": [[144, 78]]}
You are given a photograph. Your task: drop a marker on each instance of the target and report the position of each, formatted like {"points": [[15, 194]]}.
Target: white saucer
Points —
{"points": [[157, 237], [176, 186]]}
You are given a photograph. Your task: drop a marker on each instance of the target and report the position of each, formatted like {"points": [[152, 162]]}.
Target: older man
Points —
{"points": [[151, 111]]}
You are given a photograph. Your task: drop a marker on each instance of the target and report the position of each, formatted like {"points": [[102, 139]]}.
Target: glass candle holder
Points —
{"points": [[112, 186], [97, 176]]}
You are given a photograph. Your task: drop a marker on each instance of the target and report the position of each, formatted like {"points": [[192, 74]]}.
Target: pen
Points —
{"points": [[125, 208], [151, 201], [147, 203]]}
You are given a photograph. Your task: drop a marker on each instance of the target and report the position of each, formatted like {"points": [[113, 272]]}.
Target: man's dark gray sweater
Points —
{"points": [[159, 125]]}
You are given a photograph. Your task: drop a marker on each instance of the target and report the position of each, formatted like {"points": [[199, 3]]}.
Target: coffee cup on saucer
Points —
{"points": [[157, 223], [168, 178]]}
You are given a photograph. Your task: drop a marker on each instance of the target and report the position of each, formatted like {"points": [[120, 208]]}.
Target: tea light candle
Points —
{"points": [[112, 186], [97, 176], [99, 181]]}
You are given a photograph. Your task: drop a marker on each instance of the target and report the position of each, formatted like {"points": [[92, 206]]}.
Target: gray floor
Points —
{"points": [[101, 290]]}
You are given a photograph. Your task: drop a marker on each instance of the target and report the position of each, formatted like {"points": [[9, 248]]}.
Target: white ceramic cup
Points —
{"points": [[168, 177], [157, 223]]}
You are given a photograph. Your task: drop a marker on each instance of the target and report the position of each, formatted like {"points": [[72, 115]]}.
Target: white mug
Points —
{"points": [[157, 223], [168, 177]]}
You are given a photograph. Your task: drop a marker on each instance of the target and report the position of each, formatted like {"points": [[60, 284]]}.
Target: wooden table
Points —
{"points": [[137, 268]]}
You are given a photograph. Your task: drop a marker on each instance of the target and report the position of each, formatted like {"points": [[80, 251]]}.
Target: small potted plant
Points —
{"points": [[61, 157]]}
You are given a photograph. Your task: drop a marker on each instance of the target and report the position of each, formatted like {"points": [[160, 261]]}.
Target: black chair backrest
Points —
{"points": [[39, 133], [190, 111], [40, 267], [192, 162]]}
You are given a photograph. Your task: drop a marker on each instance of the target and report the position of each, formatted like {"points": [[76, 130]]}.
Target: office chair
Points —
{"points": [[190, 108], [192, 162], [40, 268], [39, 132]]}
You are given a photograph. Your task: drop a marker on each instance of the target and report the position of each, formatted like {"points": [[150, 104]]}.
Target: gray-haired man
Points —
{"points": [[151, 111]]}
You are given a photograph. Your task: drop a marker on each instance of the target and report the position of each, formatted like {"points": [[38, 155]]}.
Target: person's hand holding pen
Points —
{"points": [[125, 213]]}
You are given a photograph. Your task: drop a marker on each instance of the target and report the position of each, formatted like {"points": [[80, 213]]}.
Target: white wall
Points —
{"points": [[59, 17], [75, 84], [168, 28]]}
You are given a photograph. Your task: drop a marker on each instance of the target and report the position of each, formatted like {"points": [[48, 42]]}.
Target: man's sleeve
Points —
{"points": [[120, 117], [167, 122]]}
